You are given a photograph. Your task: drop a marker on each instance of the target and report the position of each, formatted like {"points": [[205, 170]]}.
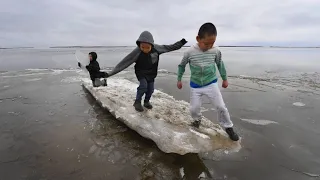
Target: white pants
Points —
{"points": [[212, 92]]}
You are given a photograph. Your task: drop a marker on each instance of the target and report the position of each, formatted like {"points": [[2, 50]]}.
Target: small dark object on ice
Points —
{"points": [[196, 123]]}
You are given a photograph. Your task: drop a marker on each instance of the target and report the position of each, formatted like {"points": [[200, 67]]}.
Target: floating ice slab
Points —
{"points": [[259, 121], [299, 104], [167, 124]]}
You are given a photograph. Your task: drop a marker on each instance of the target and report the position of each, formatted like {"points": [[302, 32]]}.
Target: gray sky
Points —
{"points": [[119, 22]]}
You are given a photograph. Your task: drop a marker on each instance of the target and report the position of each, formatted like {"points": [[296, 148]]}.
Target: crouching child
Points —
{"points": [[94, 71]]}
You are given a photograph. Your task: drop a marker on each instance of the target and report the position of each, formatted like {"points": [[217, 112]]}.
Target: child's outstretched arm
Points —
{"points": [[182, 68], [167, 48], [222, 69], [125, 62]]}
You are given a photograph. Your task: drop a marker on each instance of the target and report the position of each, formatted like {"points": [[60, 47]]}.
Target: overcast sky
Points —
{"points": [[43, 23]]}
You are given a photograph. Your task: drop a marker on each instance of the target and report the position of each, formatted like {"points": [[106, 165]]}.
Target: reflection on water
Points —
{"points": [[192, 167]]}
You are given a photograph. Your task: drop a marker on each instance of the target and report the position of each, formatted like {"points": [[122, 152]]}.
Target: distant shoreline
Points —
{"points": [[184, 46], [66, 47], [17, 48]]}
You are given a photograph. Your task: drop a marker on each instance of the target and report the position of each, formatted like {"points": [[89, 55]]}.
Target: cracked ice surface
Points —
{"points": [[167, 124]]}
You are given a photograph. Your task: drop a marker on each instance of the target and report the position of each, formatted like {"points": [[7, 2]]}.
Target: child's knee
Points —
{"points": [[142, 89], [96, 82], [143, 85], [222, 108], [151, 90]]}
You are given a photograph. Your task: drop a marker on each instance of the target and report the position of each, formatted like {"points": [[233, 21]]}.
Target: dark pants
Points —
{"points": [[145, 87]]}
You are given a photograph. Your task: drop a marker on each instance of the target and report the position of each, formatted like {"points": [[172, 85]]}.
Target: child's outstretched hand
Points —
{"points": [[183, 41], [79, 64], [225, 84], [179, 85]]}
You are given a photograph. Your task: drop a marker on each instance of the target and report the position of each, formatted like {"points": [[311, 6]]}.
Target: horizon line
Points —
{"points": [[77, 46]]}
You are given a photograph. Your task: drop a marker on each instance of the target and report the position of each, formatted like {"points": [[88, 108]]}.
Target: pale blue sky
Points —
{"points": [[101, 22]]}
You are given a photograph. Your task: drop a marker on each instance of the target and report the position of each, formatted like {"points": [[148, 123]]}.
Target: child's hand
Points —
{"points": [[79, 64], [225, 84], [179, 84], [183, 41]]}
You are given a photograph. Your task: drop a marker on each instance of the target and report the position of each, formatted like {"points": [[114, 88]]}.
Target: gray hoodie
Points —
{"points": [[146, 37], [132, 57]]}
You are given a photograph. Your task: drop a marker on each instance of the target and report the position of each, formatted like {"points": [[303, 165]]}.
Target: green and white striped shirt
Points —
{"points": [[202, 65]]}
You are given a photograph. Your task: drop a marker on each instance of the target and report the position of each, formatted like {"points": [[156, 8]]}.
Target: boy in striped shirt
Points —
{"points": [[202, 59]]}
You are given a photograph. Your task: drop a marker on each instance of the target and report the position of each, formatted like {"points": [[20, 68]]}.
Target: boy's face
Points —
{"points": [[90, 57], [145, 47], [207, 42]]}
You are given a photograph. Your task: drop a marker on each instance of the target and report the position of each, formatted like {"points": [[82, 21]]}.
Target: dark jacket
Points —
{"points": [[146, 64], [94, 68]]}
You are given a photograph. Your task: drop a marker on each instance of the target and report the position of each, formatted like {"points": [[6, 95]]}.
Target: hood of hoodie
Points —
{"points": [[145, 37], [94, 56]]}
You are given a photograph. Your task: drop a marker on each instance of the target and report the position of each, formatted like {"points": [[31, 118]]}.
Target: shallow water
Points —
{"points": [[50, 128]]}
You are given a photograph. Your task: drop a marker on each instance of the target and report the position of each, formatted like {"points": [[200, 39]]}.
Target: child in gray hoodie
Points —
{"points": [[146, 57]]}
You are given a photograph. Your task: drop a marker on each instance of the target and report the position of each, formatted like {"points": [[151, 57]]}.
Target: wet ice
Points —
{"points": [[168, 124]]}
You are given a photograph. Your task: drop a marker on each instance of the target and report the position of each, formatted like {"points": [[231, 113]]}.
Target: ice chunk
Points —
{"points": [[167, 124], [259, 121], [299, 104], [34, 79]]}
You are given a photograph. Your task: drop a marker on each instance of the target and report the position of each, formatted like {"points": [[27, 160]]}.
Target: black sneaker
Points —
{"points": [[147, 105], [137, 105], [104, 82], [232, 135], [196, 123]]}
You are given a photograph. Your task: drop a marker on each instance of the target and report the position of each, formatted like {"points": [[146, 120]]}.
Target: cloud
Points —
{"points": [[100, 22]]}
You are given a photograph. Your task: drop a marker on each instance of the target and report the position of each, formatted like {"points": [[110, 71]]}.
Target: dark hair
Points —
{"points": [[207, 29], [94, 55]]}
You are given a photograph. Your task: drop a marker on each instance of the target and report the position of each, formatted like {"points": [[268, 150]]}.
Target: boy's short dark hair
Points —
{"points": [[207, 29]]}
